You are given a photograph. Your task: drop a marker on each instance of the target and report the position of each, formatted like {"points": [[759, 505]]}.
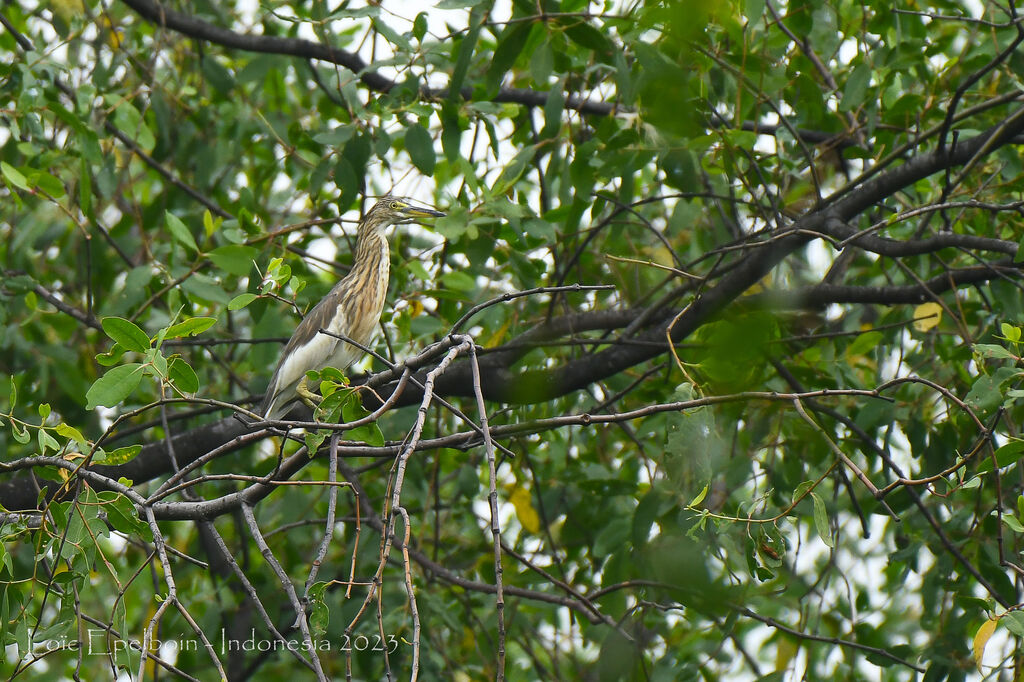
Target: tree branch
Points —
{"points": [[188, 25]]}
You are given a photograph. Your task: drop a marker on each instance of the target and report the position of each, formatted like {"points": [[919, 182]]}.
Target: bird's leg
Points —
{"points": [[311, 399]]}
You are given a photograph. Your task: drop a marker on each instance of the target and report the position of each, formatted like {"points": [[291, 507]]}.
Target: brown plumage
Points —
{"points": [[352, 308]]}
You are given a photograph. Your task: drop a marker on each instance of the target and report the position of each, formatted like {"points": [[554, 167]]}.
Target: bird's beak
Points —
{"points": [[420, 212]]}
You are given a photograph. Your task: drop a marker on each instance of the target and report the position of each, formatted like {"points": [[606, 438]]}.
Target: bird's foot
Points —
{"points": [[311, 399]]}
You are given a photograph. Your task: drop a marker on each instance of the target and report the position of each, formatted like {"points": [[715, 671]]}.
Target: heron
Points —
{"points": [[351, 309]]}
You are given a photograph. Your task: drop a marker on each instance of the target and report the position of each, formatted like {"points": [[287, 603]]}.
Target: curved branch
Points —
{"points": [[188, 25], [824, 294], [895, 248]]}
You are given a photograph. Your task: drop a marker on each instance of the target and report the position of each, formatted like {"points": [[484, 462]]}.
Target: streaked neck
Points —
{"points": [[373, 258]]}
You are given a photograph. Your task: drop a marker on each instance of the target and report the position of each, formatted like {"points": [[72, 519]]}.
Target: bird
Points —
{"points": [[352, 309]]}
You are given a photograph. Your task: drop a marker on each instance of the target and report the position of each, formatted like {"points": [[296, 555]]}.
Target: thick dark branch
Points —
{"points": [[307, 49], [895, 248], [824, 294]]}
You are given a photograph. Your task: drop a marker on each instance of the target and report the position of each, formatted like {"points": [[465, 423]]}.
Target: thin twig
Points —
{"points": [[289, 588], [492, 500]]}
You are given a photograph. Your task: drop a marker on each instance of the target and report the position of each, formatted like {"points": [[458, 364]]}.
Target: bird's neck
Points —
{"points": [[370, 272], [372, 253]]}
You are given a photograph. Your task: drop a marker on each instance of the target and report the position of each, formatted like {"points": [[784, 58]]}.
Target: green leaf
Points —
{"points": [[542, 229], [985, 394], [452, 226], [336, 137], [1012, 523], [209, 225], [801, 490], [190, 327], [320, 614], [612, 536], [421, 148], [20, 433], [465, 49], [121, 455], [700, 496], [542, 63], [46, 442], [72, 433], [514, 170], [14, 177], [126, 333], [1014, 622], [128, 119], [236, 259], [553, 108], [183, 376], [47, 183], [451, 132], [206, 289], [588, 36], [1005, 456], [114, 386], [354, 12], [122, 515], [856, 87], [753, 9], [85, 188], [242, 300], [821, 520], [510, 45], [972, 483], [420, 26], [329, 408], [351, 410], [314, 439], [217, 74], [458, 280], [391, 35], [111, 357], [157, 363], [179, 231], [991, 350], [863, 343], [648, 509]]}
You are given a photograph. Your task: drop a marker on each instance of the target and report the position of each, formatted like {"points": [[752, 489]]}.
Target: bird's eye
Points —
{"points": [[395, 205]]}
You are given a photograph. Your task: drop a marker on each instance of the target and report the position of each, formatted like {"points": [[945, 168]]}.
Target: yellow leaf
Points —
{"points": [[527, 515], [114, 32], [785, 651], [415, 307], [498, 336], [981, 639], [926, 316]]}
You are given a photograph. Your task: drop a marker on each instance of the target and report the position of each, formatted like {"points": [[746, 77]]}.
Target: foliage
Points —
{"points": [[736, 396]]}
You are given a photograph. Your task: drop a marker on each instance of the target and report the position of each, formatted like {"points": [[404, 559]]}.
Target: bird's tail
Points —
{"points": [[272, 407]]}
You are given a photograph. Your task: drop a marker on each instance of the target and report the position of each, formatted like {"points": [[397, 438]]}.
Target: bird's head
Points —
{"points": [[397, 211]]}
